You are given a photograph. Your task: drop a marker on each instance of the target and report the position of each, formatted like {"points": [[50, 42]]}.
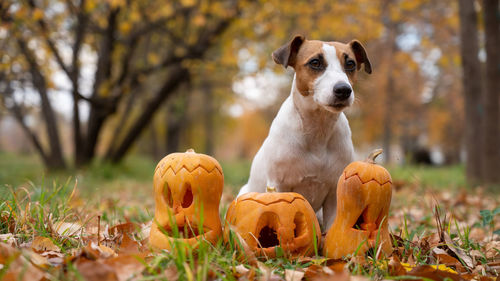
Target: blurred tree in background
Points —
{"points": [[141, 51], [172, 75]]}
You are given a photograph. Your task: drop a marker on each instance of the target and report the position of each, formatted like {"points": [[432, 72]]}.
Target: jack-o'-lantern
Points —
{"points": [[269, 220], [363, 199], [187, 190]]}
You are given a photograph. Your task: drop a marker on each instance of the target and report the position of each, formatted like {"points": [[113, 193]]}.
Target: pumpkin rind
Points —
{"points": [[185, 186], [364, 195], [288, 214]]}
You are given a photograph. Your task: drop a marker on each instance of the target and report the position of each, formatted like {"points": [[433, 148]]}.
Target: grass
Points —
{"points": [[440, 177], [31, 199]]}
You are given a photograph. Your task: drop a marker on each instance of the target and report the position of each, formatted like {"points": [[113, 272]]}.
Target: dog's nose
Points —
{"points": [[342, 90]]}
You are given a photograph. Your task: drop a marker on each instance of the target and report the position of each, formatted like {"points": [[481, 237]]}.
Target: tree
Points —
{"points": [[491, 130], [134, 42], [471, 79]]}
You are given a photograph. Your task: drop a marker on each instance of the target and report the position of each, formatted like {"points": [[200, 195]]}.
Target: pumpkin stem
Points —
{"points": [[270, 189], [190, 150], [373, 155]]}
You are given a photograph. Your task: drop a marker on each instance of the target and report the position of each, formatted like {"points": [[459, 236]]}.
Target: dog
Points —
{"points": [[309, 142]]}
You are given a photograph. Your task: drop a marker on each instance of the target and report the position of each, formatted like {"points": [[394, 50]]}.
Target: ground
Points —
{"points": [[49, 226]]}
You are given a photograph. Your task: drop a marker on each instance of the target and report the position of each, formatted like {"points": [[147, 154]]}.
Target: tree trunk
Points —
{"points": [[389, 98], [209, 117], [176, 119], [99, 111], [472, 88], [491, 129], [55, 157], [176, 77]]}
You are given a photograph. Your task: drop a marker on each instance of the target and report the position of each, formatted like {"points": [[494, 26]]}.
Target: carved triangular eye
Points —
{"points": [[187, 199], [300, 224], [168, 195]]}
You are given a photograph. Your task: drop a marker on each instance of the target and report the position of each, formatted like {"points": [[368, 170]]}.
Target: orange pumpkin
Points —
{"points": [[268, 220], [187, 190], [363, 200]]}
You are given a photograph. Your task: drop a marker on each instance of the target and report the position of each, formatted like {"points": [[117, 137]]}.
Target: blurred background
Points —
{"points": [[107, 88]]}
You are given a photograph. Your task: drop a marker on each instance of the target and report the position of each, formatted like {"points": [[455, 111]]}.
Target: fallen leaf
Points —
{"points": [[171, 273], [241, 269], [338, 266], [477, 234], [17, 267], [67, 228], [126, 266], [93, 251], [130, 246], [8, 239], [459, 252], [293, 275], [43, 244], [124, 228], [267, 273], [95, 271], [395, 267], [249, 255], [492, 249], [433, 274]]}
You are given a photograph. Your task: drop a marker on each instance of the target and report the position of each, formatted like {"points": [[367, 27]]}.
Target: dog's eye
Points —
{"points": [[315, 64], [350, 65]]}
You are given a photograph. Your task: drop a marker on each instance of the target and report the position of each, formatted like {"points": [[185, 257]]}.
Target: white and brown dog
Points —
{"points": [[309, 143]]}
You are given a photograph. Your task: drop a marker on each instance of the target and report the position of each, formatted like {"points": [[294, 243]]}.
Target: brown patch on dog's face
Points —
{"points": [[347, 60], [310, 63]]}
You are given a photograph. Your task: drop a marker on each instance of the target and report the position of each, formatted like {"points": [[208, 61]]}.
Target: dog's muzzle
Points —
{"points": [[342, 91]]}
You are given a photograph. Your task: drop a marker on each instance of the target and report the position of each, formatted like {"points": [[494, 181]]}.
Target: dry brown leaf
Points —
{"points": [[337, 266], [459, 252], [267, 274], [359, 278], [477, 234], [126, 266], [171, 273], [43, 244], [395, 267], [67, 228], [124, 228], [17, 266], [143, 233], [95, 271], [433, 274], [293, 275], [241, 269], [492, 249], [248, 253], [93, 251], [318, 273], [130, 246], [8, 239]]}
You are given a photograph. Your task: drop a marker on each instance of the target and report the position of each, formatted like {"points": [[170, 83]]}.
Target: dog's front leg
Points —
{"points": [[329, 209]]}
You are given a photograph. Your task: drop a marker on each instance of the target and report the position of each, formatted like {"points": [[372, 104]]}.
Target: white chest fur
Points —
{"points": [[300, 157]]}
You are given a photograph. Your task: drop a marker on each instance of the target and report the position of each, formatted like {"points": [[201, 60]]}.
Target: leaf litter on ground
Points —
{"points": [[50, 241]]}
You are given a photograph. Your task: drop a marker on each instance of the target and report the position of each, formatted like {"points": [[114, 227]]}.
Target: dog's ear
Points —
{"points": [[286, 54], [361, 57]]}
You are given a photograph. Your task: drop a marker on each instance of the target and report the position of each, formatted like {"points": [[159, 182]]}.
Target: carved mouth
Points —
{"points": [[370, 228], [268, 237]]}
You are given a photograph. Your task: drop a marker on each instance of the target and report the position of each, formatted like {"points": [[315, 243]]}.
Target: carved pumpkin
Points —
{"points": [[363, 200], [268, 220], [187, 189]]}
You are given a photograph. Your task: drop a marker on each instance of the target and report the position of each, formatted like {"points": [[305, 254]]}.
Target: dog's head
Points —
{"points": [[324, 71]]}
